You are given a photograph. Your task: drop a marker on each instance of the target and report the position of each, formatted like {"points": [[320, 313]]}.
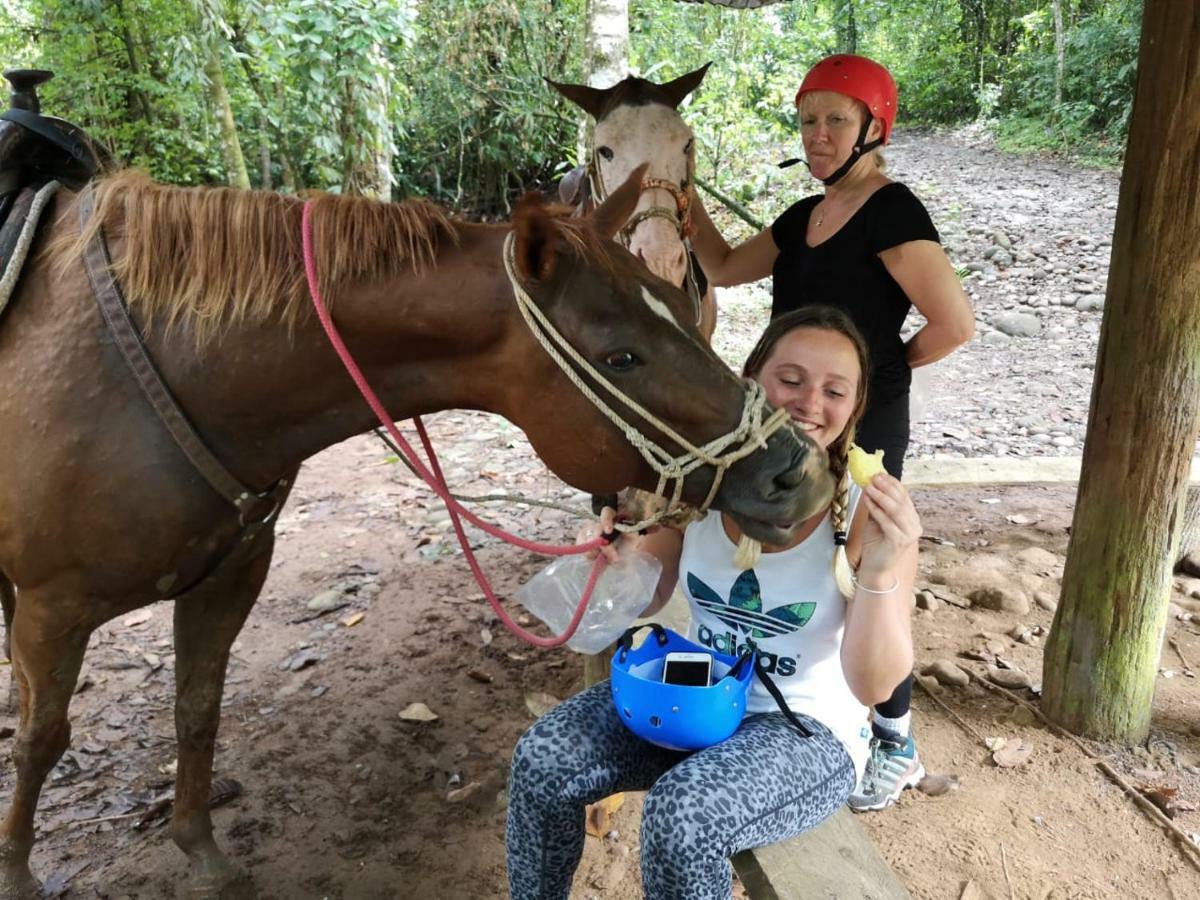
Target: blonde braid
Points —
{"points": [[747, 554], [840, 511]]}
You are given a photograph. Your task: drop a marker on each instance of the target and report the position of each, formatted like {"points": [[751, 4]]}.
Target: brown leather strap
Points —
{"points": [[253, 507]]}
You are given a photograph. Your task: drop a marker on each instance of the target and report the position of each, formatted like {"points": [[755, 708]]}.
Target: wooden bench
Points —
{"points": [[834, 861]]}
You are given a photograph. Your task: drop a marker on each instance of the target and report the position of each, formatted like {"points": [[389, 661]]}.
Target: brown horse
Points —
{"points": [[637, 120], [101, 512]]}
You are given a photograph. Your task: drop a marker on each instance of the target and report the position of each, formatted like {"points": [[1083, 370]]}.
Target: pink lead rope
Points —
{"points": [[436, 481]]}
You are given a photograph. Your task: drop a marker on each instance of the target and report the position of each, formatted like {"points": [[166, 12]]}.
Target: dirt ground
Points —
{"points": [[343, 798], [370, 608]]}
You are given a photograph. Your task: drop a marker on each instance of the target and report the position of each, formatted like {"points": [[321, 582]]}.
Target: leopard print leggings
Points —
{"points": [[763, 785]]}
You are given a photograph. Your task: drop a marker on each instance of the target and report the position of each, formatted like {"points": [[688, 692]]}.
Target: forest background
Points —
{"points": [[444, 99]]}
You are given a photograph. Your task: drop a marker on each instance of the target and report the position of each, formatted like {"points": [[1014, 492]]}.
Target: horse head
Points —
{"points": [[637, 120], [636, 331]]}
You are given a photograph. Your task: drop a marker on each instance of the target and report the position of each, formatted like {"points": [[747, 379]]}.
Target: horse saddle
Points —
{"points": [[37, 154], [37, 147]]}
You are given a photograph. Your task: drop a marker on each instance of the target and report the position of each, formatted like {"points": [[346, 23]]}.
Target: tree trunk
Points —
{"points": [[136, 94], [1059, 54], [1102, 655], [846, 27], [238, 42], [264, 150], [607, 50], [366, 134], [231, 148], [1188, 556]]}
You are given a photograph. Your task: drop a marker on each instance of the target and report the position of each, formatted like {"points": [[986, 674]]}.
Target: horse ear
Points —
{"points": [[536, 238], [615, 211], [678, 89], [573, 188], [591, 100]]}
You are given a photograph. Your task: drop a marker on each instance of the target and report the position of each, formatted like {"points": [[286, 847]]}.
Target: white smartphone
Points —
{"points": [[687, 668]]}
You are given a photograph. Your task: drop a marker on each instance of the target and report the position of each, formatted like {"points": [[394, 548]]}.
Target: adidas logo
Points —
{"points": [[743, 612]]}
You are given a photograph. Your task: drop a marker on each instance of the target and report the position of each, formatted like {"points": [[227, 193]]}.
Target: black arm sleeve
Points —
{"points": [[898, 217]]}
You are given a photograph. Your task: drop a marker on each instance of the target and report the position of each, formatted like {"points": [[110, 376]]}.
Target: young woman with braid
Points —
{"points": [[865, 245], [829, 613]]}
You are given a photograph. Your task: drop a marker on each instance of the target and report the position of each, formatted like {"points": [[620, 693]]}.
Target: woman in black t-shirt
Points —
{"points": [[867, 246]]}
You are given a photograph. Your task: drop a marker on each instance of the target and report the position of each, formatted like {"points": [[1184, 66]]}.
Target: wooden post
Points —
{"points": [[1102, 656]]}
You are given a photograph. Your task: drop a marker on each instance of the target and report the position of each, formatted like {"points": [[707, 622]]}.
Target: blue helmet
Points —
{"points": [[674, 716]]}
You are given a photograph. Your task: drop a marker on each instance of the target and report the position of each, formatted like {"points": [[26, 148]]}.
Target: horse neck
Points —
{"points": [[425, 341]]}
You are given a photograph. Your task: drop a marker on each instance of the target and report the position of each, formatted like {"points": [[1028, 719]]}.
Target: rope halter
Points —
{"points": [[749, 436], [680, 216]]}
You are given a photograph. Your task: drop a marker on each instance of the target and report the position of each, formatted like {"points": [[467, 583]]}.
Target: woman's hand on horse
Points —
{"points": [[892, 528], [605, 525]]}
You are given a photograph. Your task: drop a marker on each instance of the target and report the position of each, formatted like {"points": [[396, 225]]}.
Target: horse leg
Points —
{"points": [[47, 655], [8, 599], [207, 619]]}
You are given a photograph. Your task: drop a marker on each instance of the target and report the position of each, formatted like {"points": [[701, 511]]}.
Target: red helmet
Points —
{"points": [[858, 77]]}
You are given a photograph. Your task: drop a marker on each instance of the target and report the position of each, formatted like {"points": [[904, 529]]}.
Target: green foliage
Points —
{"points": [[451, 91], [743, 113], [1098, 79], [481, 126]]}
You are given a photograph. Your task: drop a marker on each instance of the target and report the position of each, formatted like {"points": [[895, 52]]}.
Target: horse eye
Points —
{"points": [[688, 149], [607, 153], [622, 360]]}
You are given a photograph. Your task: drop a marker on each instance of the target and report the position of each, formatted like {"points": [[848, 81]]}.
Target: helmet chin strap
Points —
{"points": [[860, 147]]}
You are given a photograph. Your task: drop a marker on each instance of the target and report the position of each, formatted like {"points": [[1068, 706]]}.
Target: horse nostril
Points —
{"points": [[641, 254], [789, 478]]}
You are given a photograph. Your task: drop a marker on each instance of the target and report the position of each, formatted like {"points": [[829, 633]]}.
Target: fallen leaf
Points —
{"points": [[599, 815], [224, 790], [480, 676], [1161, 796], [1012, 755], [418, 712], [352, 620], [539, 703], [460, 794], [141, 617], [995, 743], [302, 660]]}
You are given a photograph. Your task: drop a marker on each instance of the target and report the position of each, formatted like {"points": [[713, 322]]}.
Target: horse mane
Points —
{"points": [[221, 256]]}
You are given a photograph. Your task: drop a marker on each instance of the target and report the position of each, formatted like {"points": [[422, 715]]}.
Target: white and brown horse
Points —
{"points": [[637, 121]]}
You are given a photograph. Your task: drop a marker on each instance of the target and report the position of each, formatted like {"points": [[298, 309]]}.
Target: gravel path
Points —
{"points": [[1032, 237]]}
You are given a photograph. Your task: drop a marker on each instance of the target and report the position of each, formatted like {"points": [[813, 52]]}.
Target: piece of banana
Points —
{"points": [[863, 465]]}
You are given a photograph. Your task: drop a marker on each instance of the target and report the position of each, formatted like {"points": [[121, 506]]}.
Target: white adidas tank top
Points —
{"points": [[789, 605]]}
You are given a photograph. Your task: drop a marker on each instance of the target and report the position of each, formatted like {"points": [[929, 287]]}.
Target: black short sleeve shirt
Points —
{"points": [[845, 271]]}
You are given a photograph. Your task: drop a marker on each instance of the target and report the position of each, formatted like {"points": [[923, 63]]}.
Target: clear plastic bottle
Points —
{"points": [[624, 590]]}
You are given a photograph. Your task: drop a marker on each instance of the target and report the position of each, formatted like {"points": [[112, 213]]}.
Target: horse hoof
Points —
{"points": [[18, 883], [231, 883]]}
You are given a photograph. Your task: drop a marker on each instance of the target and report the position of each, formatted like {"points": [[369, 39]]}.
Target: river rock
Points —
{"points": [[1014, 679], [1039, 560], [928, 600], [1017, 324], [1046, 600], [1001, 599], [946, 673]]}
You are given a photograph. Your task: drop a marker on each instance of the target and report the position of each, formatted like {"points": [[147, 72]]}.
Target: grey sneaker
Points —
{"points": [[893, 766]]}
